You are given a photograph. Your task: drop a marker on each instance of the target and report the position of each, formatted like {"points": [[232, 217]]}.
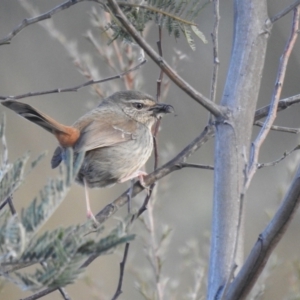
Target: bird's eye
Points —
{"points": [[138, 105]]}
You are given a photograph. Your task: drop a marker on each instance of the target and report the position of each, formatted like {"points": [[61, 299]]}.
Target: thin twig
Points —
{"points": [[11, 205], [158, 96], [83, 63], [29, 21], [73, 89], [126, 249], [64, 294], [275, 162], [129, 195], [282, 105], [215, 109], [275, 99], [279, 128], [40, 294], [215, 42], [3, 203], [155, 260], [146, 201], [285, 11], [197, 166], [122, 268]]}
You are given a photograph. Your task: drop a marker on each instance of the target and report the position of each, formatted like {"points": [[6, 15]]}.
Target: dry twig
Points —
{"points": [[275, 99], [33, 20], [285, 11], [73, 89], [215, 42], [279, 128]]}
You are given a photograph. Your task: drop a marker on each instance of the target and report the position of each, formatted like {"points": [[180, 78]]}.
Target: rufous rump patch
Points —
{"points": [[69, 137]]}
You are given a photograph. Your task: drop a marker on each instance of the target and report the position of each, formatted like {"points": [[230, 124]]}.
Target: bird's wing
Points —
{"points": [[105, 129]]}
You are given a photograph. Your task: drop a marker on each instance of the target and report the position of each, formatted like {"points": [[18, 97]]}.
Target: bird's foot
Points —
{"points": [[142, 182], [140, 175], [92, 217]]}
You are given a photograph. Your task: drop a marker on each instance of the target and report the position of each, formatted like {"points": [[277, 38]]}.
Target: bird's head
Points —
{"points": [[141, 107]]}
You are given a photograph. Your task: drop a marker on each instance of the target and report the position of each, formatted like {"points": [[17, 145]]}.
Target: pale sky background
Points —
{"points": [[35, 62]]}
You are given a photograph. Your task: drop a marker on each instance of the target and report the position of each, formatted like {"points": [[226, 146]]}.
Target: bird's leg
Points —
{"points": [[140, 174], [89, 212], [129, 195]]}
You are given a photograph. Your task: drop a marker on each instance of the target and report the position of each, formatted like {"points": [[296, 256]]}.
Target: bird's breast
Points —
{"points": [[108, 165]]}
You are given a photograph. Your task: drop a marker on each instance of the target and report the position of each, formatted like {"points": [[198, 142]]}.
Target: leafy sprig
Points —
{"points": [[56, 255], [176, 16]]}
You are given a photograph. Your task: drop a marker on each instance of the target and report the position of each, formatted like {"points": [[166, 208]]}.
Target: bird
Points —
{"points": [[116, 138]]}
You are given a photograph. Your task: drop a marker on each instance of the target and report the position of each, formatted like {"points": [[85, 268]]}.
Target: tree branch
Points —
{"points": [[275, 162], [47, 15], [196, 166], [75, 88], [282, 105], [122, 268], [266, 242], [285, 11], [275, 99], [215, 109], [279, 128], [232, 141], [216, 61]]}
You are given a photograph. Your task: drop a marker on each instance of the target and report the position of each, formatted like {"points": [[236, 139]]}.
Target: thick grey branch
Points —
{"points": [[232, 141], [265, 244]]}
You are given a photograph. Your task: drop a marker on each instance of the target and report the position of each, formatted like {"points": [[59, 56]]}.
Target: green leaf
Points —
{"points": [[188, 37], [199, 34], [166, 13]]}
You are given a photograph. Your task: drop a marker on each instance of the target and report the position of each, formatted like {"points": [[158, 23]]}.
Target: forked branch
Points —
{"points": [[275, 99]]}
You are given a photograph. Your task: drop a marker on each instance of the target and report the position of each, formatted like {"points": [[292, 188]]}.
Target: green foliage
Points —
{"points": [[177, 16], [11, 175], [57, 256]]}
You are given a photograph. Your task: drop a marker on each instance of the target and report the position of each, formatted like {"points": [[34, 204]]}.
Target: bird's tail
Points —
{"points": [[66, 135]]}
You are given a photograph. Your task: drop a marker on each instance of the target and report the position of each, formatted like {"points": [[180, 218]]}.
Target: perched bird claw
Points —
{"points": [[143, 184], [91, 216]]}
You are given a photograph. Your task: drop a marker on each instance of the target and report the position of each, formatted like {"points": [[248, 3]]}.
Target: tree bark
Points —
{"points": [[233, 138]]}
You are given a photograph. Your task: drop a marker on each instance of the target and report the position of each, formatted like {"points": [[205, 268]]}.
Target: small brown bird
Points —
{"points": [[115, 136]]}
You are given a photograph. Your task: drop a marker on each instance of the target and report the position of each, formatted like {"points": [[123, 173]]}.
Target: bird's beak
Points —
{"points": [[160, 109]]}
